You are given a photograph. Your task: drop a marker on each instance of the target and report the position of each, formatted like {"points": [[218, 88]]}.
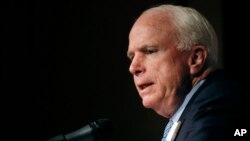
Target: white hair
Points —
{"points": [[192, 28]]}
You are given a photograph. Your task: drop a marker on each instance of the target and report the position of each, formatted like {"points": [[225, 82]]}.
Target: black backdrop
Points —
{"points": [[63, 65]]}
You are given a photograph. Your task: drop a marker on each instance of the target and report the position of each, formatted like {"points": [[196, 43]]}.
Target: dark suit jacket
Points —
{"points": [[214, 112]]}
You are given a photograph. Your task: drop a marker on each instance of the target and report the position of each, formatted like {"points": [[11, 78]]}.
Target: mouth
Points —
{"points": [[144, 85]]}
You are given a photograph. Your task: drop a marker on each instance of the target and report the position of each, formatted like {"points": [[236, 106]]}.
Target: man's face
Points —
{"points": [[160, 70]]}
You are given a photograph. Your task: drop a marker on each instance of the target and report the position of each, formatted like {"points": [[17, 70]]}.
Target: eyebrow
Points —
{"points": [[142, 48]]}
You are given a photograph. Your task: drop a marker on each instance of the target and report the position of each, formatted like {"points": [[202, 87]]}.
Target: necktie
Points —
{"points": [[167, 129]]}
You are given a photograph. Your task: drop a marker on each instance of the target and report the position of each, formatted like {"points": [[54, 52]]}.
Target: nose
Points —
{"points": [[136, 67]]}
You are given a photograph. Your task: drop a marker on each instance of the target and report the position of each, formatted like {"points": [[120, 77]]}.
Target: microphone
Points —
{"points": [[99, 130]]}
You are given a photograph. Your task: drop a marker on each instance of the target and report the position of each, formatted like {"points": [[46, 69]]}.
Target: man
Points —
{"points": [[174, 52]]}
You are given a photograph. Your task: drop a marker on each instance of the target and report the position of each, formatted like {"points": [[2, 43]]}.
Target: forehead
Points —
{"points": [[154, 20], [151, 28]]}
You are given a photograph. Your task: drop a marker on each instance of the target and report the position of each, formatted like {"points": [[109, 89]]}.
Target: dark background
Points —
{"points": [[64, 64]]}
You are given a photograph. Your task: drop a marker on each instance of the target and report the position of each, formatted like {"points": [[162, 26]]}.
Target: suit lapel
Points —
{"points": [[210, 78]]}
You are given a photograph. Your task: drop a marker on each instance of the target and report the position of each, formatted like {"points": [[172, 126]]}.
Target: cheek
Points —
{"points": [[170, 76], [154, 99]]}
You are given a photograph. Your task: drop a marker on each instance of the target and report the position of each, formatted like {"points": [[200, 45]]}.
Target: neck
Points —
{"points": [[203, 75]]}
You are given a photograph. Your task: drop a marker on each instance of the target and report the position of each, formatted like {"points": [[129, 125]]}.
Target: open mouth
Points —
{"points": [[145, 85]]}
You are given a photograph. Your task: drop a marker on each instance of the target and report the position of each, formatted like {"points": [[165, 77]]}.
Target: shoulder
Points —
{"points": [[219, 87], [219, 96], [215, 110]]}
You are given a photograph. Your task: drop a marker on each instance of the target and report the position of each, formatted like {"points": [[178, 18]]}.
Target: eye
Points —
{"points": [[130, 56], [150, 50]]}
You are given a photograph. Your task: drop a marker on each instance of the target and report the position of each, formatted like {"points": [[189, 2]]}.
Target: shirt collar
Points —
{"points": [[180, 110]]}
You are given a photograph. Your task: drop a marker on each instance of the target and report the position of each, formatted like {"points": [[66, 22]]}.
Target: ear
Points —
{"points": [[197, 59]]}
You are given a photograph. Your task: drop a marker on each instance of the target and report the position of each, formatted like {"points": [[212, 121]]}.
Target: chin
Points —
{"points": [[154, 105], [148, 104]]}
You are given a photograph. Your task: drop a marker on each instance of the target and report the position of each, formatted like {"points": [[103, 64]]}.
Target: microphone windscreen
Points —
{"points": [[102, 129]]}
